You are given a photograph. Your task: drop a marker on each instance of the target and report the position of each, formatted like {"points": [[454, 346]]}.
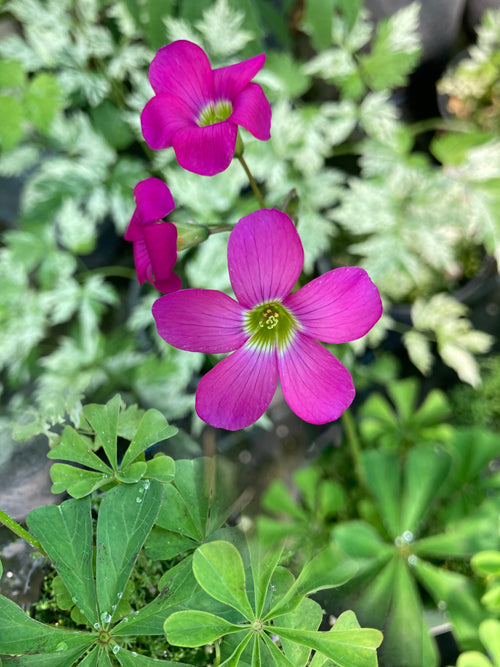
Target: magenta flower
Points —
{"points": [[272, 331], [197, 110], [155, 242]]}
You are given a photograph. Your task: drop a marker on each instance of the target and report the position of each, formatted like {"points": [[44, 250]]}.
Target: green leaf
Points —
{"points": [[178, 588], [406, 636], [12, 74], [348, 648], [133, 659], [489, 632], [153, 428], [307, 616], [11, 129], [165, 544], [218, 568], [196, 628], [360, 540], [65, 532], [382, 474], [133, 473], [42, 100], [346, 621], [126, 516], [108, 121], [161, 467], [79, 483], [263, 566], [426, 468], [75, 448], [234, 658], [473, 659], [92, 659], [328, 569], [63, 658], [104, 421], [486, 563], [21, 633], [277, 657], [318, 22]]}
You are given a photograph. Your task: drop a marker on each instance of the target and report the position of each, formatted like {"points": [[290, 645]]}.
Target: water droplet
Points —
{"points": [[125, 620], [115, 649], [119, 595], [408, 536], [273, 587], [146, 484], [97, 626], [134, 654], [138, 500], [442, 606], [412, 559], [105, 617], [62, 646], [398, 541]]}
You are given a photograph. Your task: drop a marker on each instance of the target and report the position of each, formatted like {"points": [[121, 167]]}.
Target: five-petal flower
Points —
{"points": [[155, 242], [271, 332], [197, 110]]}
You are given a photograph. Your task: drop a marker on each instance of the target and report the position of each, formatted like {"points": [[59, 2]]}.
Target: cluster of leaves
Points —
{"points": [[222, 588], [426, 501]]}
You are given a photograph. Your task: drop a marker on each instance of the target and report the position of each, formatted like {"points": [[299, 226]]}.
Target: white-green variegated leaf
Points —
{"points": [[331, 65], [221, 29], [18, 160], [419, 350], [209, 265], [181, 29], [379, 118]]}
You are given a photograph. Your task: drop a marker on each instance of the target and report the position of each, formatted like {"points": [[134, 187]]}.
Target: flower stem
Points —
{"points": [[20, 532], [222, 228], [253, 184], [354, 446]]}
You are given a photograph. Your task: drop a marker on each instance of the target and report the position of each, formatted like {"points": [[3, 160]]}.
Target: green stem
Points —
{"points": [[223, 228], [253, 184], [109, 271], [354, 445], [20, 532], [217, 652]]}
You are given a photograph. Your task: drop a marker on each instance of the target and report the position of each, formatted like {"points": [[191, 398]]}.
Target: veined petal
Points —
{"points": [[337, 307], [264, 256], [200, 320], [134, 229], [142, 261], [183, 69], [252, 111], [230, 80], [167, 285], [154, 200], [161, 242], [316, 386], [236, 392], [162, 117], [206, 150]]}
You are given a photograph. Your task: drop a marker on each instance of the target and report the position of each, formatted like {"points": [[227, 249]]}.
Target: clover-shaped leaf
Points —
{"points": [[101, 427]]}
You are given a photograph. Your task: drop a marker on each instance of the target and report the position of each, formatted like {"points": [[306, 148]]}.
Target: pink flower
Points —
{"points": [[197, 110], [272, 331], [155, 242]]}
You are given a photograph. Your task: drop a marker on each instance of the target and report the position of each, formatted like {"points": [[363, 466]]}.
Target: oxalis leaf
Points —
{"points": [[349, 648], [65, 532], [126, 516], [219, 570], [196, 628]]}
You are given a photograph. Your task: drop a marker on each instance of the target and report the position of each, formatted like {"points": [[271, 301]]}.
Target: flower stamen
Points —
{"points": [[270, 325], [215, 112]]}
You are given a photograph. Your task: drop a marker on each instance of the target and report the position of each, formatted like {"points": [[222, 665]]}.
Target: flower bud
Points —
{"points": [[190, 234]]}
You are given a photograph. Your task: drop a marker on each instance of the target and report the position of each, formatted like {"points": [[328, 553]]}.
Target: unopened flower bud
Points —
{"points": [[190, 234]]}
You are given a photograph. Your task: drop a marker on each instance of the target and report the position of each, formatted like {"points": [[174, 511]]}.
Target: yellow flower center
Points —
{"points": [[270, 325]]}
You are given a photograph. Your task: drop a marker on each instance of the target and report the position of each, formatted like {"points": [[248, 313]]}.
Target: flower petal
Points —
{"points": [[316, 386], [252, 111], [200, 320], [337, 307], [170, 284], [154, 200], [142, 261], [162, 117], [161, 242], [206, 150], [134, 229], [230, 80], [236, 392], [183, 69], [264, 256]]}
